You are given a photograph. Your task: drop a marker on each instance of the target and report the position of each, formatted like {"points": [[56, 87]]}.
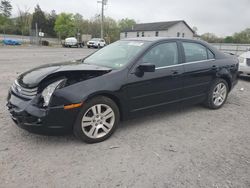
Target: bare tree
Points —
{"points": [[24, 20]]}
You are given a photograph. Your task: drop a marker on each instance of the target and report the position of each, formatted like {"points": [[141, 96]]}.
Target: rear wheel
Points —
{"points": [[217, 94], [97, 120]]}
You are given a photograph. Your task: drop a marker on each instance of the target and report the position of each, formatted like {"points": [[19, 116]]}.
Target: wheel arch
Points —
{"points": [[111, 96], [228, 80], [225, 75]]}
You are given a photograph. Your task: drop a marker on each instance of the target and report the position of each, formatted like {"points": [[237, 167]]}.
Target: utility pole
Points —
{"points": [[103, 2], [37, 42]]}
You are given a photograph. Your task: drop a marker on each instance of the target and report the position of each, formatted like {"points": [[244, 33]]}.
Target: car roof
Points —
{"points": [[159, 39], [155, 39], [245, 54]]}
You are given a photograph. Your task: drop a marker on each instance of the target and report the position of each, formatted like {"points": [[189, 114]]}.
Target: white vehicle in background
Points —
{"points": [[72, 42], [96, 43], [244, 65]]}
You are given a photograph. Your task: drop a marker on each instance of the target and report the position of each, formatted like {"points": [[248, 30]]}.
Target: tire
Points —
{"points": [[214, 98], [93, 127]]}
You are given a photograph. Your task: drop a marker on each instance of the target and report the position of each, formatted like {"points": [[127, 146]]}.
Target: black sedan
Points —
{"points": [[124, 79]]}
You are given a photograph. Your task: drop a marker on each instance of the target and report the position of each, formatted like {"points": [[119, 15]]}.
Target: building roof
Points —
{"points": [[155, 26]]}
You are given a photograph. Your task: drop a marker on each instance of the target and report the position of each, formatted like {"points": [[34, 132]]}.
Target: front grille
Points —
{"points": [[23, 92], [248, 61]]}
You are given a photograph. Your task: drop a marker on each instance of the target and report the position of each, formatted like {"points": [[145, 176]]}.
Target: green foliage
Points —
{"points": [[242, 37], [111, 30], [64, 25], [51, 20], [5, 24], [126, 24], [5, 8], [211, 38], [229, 39]]}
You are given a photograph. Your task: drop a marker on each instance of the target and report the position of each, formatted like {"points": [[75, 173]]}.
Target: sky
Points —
{"points": [[222, 17]]}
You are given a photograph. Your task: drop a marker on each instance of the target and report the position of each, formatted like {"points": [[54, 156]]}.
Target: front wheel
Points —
{"points": [[97, 120], [217, 94]]}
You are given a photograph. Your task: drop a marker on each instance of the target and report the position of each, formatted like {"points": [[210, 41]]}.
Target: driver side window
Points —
{"points": [[162, 55]]}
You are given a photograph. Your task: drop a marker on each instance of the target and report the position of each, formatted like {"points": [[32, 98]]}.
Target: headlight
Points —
{"points": [[241, 60], [49, 90]]}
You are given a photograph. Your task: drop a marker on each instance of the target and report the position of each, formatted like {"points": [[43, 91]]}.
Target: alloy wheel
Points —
{"points": [[98, 121], [219, 94]]}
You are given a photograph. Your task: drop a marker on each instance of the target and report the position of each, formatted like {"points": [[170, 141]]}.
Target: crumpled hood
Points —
{"points": [[33, 77]]}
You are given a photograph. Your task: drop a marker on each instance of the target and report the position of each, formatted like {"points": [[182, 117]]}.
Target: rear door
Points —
{"points": [[199, 70], [159, 88]]}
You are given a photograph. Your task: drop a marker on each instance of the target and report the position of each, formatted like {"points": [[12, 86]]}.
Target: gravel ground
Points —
{"points": [[192, 147]]}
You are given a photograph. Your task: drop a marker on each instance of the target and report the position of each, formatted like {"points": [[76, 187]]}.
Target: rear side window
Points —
{"points": [[162, 55], [194, 52]]}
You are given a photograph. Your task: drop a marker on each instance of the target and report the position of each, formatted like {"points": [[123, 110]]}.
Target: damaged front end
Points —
{"points": [[37, 108]]}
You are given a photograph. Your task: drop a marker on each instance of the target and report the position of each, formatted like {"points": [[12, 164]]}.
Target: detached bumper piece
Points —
{"points": [[49, 121]]}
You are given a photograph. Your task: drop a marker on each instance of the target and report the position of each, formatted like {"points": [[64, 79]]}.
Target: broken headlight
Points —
{"points": [[49, 90]]}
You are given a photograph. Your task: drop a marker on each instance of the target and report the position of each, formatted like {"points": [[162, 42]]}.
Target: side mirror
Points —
{"points": [[144, 67]]}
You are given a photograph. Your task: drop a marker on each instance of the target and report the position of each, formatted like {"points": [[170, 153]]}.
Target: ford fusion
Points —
{"points": [[129, 77]]}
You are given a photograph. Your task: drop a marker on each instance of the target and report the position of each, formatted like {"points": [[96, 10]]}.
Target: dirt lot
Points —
{"points": [[194, 147]]}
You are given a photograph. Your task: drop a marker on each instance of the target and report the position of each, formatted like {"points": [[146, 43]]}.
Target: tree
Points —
{"points": [[39, 18], [64, 25], [229, 39], [242, 37], [51, 19], [212, 38], [5, 8], [94, 26], [126, 24], [23, 21], [111, 29]]}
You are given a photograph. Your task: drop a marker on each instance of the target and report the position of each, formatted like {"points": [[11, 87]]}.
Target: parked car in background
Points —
{"points": [[244, 68], [12, 42], [72, 42], [96, 43], [126, 78]]}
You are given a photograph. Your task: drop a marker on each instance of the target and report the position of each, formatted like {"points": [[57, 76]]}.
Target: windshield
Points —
{"points": [[95, 39], [117, 55]]}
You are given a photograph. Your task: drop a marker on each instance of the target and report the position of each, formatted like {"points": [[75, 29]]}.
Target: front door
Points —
{"points": [[159, 88]]}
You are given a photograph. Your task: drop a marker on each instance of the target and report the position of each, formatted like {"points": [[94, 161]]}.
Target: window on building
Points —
{"points": [[138, 34], [178, 34], [194, 52], [162, 55], [183, 35], [142, 34], [126, 34], [157, 33]]}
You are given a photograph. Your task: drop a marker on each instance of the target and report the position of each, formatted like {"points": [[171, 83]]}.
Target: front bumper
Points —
{"points": [[49, 121], [92, 45], [244, 71]]}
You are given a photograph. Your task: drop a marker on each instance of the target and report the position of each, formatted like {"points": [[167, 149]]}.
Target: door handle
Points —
{"points": [[174, 72]]}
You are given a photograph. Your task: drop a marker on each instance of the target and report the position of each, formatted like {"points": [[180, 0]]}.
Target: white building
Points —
{"points": [[159, 29]]}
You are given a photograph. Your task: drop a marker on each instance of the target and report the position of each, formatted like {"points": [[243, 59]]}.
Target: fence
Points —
{"points": [[29, 39], [232, 48]]}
